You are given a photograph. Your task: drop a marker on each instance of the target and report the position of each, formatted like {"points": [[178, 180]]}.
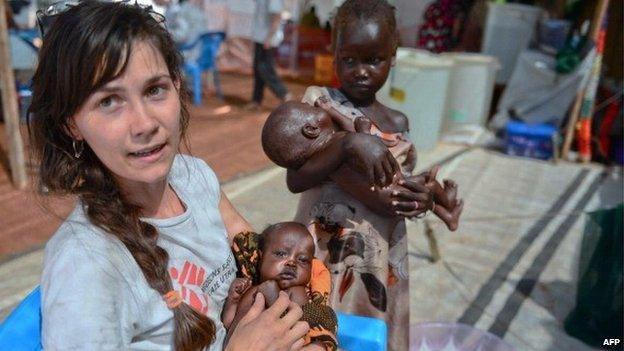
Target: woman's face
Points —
{"points": [[133, 122]]}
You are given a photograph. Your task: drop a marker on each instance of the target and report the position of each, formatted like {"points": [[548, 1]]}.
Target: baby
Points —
{"points": [[446, 205], [295, 131], [286, 253]]}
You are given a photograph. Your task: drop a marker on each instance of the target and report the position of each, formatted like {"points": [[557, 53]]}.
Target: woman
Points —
{"points": [[143, 261]]}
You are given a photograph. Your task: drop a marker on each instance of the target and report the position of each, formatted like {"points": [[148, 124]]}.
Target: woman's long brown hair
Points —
{"points": [[86, 47]]}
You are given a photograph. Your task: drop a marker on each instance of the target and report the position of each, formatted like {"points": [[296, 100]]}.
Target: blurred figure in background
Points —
{"points": [[186, 23], [267, 34]]}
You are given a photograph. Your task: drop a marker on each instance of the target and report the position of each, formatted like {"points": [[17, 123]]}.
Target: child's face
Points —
{"points": [[363, 56], [287, 257]]}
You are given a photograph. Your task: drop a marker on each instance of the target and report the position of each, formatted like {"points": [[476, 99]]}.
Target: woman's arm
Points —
{"points": [[234, 222]]}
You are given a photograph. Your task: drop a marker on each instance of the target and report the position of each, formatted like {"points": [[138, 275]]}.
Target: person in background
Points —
{"points": [[267, 34], [186, 23]]}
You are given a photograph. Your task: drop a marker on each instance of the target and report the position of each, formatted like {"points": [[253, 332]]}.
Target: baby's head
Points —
{"points": [[295, 131], [287, 250]]}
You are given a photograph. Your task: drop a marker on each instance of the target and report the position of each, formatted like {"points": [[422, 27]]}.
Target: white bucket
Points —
{"points": [[509, 29], [417, 86], [470, 92]]}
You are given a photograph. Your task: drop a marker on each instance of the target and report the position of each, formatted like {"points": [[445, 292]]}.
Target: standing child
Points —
{"points": [[365, 250]]}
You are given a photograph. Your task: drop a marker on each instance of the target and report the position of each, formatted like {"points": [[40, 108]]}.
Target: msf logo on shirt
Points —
{"points": [[189, 280]]}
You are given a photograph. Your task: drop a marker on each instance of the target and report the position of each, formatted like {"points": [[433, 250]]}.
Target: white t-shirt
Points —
{"points": [[262, 21], [94, 295]]}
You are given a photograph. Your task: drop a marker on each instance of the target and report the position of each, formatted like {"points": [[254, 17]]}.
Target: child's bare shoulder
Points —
{"points": [[398, 118]]}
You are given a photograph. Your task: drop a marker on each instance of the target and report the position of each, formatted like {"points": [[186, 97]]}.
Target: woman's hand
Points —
{"points": [[263, 329], [368, 155]]}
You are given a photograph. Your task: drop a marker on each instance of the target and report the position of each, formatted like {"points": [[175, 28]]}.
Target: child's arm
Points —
{"points": [[393, 200], [365, 153]]}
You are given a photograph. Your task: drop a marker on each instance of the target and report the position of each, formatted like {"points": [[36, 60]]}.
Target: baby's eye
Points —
{"points": [[279, 253], [375, 60], [348, 60], [304, 259]]}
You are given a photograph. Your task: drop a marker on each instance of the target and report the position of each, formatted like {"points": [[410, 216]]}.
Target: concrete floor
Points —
{"points": [[510, 269]]}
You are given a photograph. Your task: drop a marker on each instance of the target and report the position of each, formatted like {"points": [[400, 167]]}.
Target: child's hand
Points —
{"points": [[412, 198], [362, 125], [323, 102], [238, 288], [369, 156]]}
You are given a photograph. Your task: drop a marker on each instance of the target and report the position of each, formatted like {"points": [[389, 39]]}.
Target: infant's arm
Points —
{"points": [[345, 123], [298, 294], [237, 289]]}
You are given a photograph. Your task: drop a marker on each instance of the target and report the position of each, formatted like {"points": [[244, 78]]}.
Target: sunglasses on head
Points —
{"points": [[47, 15]]}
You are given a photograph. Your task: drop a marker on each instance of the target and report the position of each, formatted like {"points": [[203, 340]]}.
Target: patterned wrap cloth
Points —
{"points": [[365, 252], [318, 314]]}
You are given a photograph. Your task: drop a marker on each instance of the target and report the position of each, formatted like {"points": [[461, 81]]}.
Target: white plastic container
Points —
{"points": [[418, 87], [509, 29], [470, 92]]}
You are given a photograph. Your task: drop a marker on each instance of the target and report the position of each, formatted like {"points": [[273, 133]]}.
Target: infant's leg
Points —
{"points": [[450, 218], [450, 191]]}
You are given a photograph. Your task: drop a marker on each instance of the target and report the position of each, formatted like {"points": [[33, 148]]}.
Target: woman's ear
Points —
{"points": [[72, 130], [311, 131]]}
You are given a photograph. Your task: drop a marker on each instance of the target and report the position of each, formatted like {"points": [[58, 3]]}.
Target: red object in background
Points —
{"points": [[587, 110], [604, 137], [310, 42], [584, 136]]}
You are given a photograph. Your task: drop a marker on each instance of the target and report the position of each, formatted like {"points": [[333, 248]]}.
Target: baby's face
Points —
{"points": [[287, 257]]}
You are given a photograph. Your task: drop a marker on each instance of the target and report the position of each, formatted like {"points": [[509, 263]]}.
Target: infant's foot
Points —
{"points": [[450, 189], [453, 224]]}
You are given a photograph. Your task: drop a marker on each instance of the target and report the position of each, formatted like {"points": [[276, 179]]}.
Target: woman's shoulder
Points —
{"points": [[77, 230], [77, 239], [79, 243], [189, 168], [193, 175]]}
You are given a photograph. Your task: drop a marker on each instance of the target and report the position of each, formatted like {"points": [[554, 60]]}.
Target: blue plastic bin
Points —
{"points": [[530, 140], [361, 333], [21, 330]]}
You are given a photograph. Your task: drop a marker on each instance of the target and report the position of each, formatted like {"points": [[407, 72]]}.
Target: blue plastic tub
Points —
{"points": [[530, 140]]}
